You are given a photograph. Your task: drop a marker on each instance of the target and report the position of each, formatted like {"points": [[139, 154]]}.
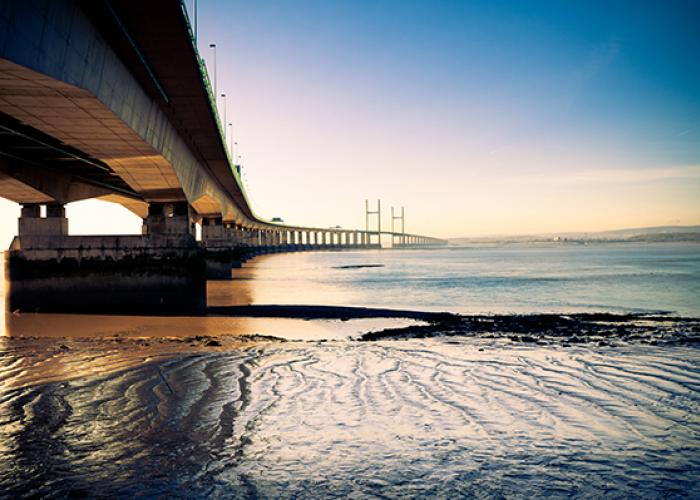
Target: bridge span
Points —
{"points": [[109, 99]]}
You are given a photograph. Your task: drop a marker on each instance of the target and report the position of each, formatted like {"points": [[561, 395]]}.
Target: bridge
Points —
{"points": [[109, 99]]}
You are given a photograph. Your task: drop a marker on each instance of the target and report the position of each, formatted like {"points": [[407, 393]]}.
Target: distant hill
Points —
{"points": [[639, 234]]}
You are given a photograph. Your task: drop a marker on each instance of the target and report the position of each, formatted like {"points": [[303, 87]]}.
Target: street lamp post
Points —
{"points": [[213, 46], [230, 140], [223, 98], [194, 5]]}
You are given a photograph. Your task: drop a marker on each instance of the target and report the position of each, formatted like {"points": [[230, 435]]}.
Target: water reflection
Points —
{"points": [[262, 280], [297, 278], [40, 348]]}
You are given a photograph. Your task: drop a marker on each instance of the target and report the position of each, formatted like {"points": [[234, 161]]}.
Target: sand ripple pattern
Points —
{"points": [[432, 417]]}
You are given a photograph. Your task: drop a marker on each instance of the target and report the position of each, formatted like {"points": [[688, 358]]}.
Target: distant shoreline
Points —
{"points": [[462, 242], [660, 234]]}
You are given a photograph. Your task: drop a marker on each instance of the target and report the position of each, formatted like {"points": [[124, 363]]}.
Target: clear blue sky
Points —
{"points": [[481, 117], [477, 110]]}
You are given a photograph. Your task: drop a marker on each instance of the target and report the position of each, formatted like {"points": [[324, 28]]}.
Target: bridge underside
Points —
{"points": [[109, 100]]}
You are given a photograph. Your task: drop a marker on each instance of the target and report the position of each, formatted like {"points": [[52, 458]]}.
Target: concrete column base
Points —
{"points": [[106, 275], [218, 264]]}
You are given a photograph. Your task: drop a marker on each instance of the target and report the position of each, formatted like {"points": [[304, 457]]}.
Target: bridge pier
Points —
{"points": [[220, 249], [160, 272]]}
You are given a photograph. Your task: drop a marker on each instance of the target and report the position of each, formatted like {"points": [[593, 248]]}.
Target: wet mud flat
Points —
{"points": [[459, 407], [565, 329]]}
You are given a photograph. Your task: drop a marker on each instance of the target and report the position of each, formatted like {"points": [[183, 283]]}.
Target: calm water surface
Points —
{"points": [[494, 279], [455, 417]]}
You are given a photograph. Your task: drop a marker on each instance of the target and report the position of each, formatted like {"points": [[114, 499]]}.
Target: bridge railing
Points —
{"points": [[204, 73], [258, 224]]}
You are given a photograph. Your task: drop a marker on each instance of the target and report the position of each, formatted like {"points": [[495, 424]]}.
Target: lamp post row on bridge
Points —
{"points": [[228, 127]]}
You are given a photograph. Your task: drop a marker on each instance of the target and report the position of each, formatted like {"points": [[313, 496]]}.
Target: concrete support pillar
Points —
{"points": [[55, 210], [240, 236], [212, 229], [168, 219], [31, 210], [31, 223]]}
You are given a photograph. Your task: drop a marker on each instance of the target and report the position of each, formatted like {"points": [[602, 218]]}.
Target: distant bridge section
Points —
{"points": [[109, 99]]}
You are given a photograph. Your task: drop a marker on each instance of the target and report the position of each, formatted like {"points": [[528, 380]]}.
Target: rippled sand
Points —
{"points": [[444, 417]]}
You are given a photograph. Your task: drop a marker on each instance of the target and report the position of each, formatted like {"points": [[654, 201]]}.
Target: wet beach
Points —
{"points": [[308, 400]]}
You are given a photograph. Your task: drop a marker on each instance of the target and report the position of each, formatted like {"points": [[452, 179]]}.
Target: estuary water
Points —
{"points": [[200, 407], [620, 278]]}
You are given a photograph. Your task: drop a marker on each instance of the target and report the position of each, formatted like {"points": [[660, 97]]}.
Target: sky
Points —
{"points": [[480, 117]]}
